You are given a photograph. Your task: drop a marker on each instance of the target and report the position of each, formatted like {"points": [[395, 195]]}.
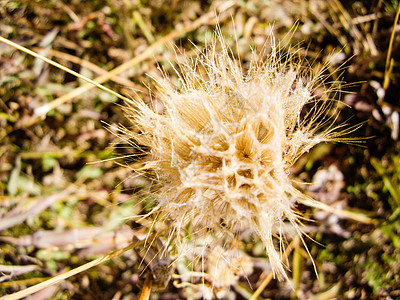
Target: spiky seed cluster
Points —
{"points": [[222, 148]]}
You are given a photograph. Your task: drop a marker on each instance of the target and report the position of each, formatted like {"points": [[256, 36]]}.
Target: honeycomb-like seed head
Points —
{"points": [[222, 148]]}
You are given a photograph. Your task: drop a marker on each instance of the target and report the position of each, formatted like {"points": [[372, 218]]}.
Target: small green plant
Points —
{"points": [[382, 264]]}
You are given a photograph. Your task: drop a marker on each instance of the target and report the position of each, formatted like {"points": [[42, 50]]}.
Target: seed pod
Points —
{"points": [[222, 149]]}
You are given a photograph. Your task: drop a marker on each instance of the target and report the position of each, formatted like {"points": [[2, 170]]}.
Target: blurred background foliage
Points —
{"points": [[65, 200]]}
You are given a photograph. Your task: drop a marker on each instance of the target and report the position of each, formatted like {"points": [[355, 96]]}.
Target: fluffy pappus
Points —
{"points": [[222, 148]]}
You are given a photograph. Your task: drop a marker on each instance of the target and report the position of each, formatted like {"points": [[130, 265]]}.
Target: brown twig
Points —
{"points": [[145, 294]]}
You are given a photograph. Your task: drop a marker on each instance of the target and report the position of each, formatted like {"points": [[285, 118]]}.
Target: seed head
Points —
{"points": [[222, 148], [225, 267]]}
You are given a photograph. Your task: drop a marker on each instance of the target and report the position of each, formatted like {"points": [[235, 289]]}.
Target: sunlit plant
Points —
{"points": [[222, 148]]}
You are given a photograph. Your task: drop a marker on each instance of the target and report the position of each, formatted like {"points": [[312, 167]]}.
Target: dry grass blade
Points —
{"points": [[63, 276], [389, 61]]}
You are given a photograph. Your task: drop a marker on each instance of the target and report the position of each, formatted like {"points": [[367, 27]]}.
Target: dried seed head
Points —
{"points": [[225, 267], [222, 148]]}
